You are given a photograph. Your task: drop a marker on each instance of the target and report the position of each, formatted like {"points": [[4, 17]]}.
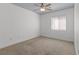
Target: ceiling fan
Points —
{"points": [[43, 7]]}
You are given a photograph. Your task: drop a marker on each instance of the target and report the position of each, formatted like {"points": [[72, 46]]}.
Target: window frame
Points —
{"points": [[58, 30]]}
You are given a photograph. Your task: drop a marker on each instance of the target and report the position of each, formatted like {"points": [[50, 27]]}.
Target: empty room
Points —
{"points": [[39, 28]]}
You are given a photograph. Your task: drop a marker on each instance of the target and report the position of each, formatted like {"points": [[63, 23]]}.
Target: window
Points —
{"points": [[58, 23]]}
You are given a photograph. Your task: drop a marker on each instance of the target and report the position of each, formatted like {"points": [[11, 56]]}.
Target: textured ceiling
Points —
{"points": [[54, 7]]}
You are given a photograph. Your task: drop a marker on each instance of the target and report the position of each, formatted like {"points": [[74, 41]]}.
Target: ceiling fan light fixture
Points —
{"points": [[42, 9]]}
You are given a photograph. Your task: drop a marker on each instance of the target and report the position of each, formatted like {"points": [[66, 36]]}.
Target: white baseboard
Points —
{"points": [[56, 38], [18, 41]]}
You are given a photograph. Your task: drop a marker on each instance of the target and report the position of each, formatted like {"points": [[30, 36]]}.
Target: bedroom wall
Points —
{"points": [[17, 24], [45, 26]]}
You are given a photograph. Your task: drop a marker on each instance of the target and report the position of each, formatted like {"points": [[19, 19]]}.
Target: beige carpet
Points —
{"points": [[40, 46]]}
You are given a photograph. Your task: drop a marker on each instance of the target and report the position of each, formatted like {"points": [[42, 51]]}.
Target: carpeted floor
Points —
{"points": [[40, 46]]}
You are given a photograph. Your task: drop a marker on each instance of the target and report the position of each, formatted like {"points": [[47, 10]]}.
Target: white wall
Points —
{"points": [[76, 27], [46, 25], [17, 24]]}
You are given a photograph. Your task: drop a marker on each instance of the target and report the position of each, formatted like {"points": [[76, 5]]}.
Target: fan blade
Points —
{"points": [[48, 10]]}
